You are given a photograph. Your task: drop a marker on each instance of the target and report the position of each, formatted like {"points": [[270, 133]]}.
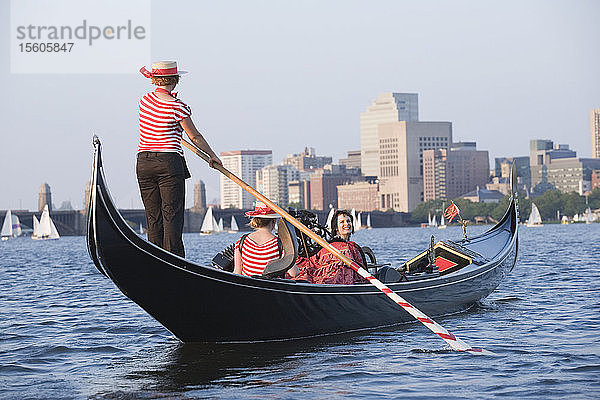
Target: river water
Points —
{"points": [[67, 332]]}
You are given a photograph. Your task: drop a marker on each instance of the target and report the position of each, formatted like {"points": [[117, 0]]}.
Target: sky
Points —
{"points": [[283, 75]]}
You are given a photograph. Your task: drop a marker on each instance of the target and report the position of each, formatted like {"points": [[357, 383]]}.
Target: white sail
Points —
{"points": [[234, 225], [330, 217], [369, 221], [429, 219], [360, 219], [53, 232], [16, 226], [141, 232], [220, 225], [36, 226], [535, 219], [7, 230], [442, 224], [588, 217], [46, 228], [209, 224]]}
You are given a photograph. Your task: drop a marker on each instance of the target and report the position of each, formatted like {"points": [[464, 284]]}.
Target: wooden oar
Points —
{"points": [[454, 342]]}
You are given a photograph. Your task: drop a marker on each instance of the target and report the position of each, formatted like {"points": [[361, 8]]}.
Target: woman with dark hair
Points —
{"points": [[161, 170], [326, 268]]}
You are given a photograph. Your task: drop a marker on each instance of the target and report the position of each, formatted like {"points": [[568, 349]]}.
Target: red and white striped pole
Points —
{"points": [[454, 342]]}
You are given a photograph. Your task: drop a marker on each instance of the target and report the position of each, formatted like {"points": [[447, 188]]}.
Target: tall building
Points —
{"points": [[388, 107], [503, 165], [572, 174], [244, 164], [595, 131], [352, 161], [199, 195], [448, 174], [324, 183], [307, 160], [272, 181], [45, 197], [401, 146], [541, 154], [299, 193]]}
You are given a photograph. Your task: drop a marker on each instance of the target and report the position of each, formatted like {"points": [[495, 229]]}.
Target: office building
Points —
{"points": [[299, 193], [542, 153], [307, 160], [324, 183], [595, 131], [503, 165], [571, 174], [272, 181], [596, 179], [388, 107], [448, 174], [352, 161], [401, 146], [362, 196], [244, 164]]}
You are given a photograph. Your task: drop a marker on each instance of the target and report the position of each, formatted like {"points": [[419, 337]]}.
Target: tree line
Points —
{"points": [[551, 205]]}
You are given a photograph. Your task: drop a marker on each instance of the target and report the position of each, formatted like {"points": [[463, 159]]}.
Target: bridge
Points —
{"points": [[73, 222]]}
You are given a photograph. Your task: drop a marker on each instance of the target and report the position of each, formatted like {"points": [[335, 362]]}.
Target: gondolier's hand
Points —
{"points": [[214, 160]]}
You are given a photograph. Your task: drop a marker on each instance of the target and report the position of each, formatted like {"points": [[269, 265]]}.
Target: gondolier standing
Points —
{"points": [[161, 169]]}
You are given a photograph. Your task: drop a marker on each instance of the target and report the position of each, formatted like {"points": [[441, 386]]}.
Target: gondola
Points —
{"points": [[199, 303]]}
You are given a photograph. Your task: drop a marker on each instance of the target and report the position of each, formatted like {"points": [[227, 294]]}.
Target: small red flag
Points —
{"points": [[451, 212]]}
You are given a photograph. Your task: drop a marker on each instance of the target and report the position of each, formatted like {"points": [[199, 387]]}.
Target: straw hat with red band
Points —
{"points": [[162, 68], [261, 210]]}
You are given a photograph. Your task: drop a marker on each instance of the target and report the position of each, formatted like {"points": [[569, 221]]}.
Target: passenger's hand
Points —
{"points": [[215, 160]]}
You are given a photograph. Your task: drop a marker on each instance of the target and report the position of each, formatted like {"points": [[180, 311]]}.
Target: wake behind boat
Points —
{"points": [[202, 303]]}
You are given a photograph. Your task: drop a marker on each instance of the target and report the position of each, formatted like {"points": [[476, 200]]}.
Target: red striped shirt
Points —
{"points": [[256, 256], [159, 123]]}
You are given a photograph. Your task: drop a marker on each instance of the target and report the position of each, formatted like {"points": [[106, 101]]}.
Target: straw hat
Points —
{"points": [[162, 68], [261, 210]]}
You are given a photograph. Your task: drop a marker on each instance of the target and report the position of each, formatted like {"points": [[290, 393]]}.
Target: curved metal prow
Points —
{"points": [[91, 211]]}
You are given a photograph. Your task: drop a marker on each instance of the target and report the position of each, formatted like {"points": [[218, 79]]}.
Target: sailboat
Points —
{"points": [[46, 228], [330, 217], [234, 226], [535, 219], [369, 221], [209, 225], [11, 227], [588, 217], [432, 221], [36, 226], [220, 225], [141, 231], [442, 224]]}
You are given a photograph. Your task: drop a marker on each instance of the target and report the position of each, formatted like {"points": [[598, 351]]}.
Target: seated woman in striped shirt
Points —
{"points": [[260, 246]]}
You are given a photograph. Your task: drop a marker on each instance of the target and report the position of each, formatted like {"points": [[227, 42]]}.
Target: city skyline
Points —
{"points": [[281, 76]]}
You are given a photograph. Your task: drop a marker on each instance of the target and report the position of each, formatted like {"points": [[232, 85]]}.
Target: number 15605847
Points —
{"points": [[45, 47]]}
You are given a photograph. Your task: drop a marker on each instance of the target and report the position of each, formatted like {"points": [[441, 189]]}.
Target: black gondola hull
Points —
{"points": [[204, 304]]}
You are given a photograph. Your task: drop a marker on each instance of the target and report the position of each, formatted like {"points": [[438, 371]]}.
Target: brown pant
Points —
{"points": [[161, 177]]}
